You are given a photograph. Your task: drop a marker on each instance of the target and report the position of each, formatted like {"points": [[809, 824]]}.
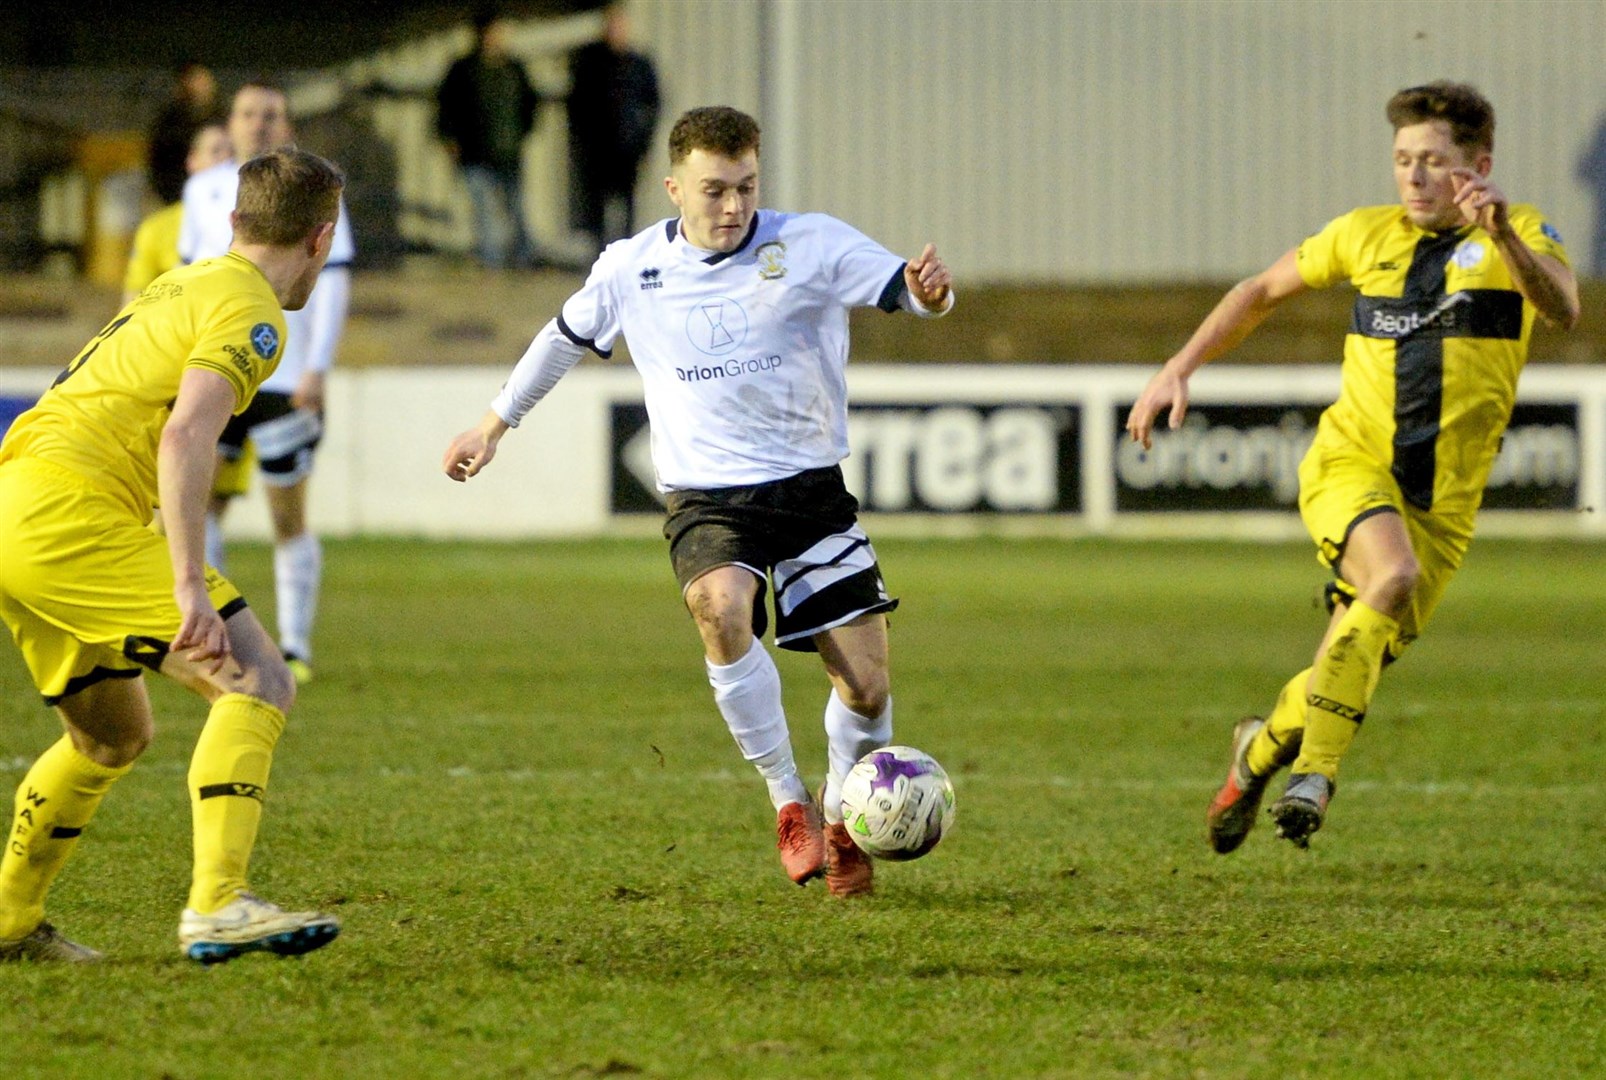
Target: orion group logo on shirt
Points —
{"points": [[716, 326], [265, 340]]}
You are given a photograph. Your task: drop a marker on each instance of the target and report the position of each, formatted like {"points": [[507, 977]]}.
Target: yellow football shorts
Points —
{"points": [[1339, 487], [85, 589]]}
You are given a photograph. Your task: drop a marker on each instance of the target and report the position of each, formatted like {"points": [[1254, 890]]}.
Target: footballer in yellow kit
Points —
{"points": [[1449, 282], [78, 475], [94, 596], [1437, 339]]}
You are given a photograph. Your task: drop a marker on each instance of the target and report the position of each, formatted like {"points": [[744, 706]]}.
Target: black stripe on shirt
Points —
{"points": [[584, 343], [1419, 374]]}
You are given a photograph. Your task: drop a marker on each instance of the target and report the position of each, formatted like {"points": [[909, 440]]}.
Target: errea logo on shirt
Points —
{"points": [[651, 278]]}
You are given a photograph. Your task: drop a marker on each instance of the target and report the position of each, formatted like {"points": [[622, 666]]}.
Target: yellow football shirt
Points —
{"points": [[103, 417], [155, 248], [1437, 339]]}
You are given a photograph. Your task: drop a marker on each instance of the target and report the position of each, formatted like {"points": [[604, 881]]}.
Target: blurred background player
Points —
{"points": [[285, 421], [737, 320], [94, 597], [613, 115], [155, 249], [1449, 282], [155, 252], [485, 109]]}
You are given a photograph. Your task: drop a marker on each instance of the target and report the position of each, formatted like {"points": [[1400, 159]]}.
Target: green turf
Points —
{"points": [[510, 783]]}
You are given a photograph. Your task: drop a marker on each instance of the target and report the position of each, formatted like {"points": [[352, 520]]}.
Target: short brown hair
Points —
{"points": [[1468, 112], [284, 195], [718, 129]]}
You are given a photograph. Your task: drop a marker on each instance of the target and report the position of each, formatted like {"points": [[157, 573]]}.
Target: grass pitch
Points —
{"points": [[511, 784]]}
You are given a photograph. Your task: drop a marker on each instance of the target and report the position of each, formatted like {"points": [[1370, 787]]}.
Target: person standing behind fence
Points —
{"points": [[193, 104], [485, 108], [613, 112]]}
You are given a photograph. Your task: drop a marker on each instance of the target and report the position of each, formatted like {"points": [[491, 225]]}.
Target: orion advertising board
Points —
{"points": [[928, 457], [1228, 457]]}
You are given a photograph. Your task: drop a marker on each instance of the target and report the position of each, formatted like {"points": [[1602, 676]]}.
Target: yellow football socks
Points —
{"points": [[54, 803], [1277, 744], [228, 779], [1341, 687]]}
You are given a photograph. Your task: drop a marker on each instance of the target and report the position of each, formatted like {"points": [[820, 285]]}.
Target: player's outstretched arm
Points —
{"points": [[1544, 281], [928, 279], [1234, 317], [185, 460], [473, 449]]}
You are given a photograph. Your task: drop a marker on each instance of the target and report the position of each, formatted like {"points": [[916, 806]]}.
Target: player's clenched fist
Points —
{"points": [[928, 279]]}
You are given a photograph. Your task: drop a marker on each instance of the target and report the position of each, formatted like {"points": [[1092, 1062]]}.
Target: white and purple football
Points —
{"points": [[897, 803]]}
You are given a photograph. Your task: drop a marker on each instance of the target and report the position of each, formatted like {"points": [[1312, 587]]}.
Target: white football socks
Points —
{"points": [[848, 737], [748, 694], [214, 542], [297, 571]]}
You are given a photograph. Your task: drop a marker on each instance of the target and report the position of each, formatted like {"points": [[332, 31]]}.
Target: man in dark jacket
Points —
{"points": [[486, 108], [613, 112]]}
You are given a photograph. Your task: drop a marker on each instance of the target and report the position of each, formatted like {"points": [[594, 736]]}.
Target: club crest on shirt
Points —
{"points": [[1467, 254], [265, 340], [771, 260]]}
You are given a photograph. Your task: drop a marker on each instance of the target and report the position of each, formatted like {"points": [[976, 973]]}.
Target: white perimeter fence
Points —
{"points": [[936, 451]]}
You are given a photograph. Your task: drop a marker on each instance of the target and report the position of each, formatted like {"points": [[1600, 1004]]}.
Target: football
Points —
{"points": [[897, 803]]}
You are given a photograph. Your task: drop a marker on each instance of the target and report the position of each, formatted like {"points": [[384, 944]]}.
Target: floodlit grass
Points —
{"points": [[510, 782]]}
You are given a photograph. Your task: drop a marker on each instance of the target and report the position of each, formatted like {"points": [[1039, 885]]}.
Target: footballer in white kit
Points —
{"points": [[737, 320], [285, 420]]}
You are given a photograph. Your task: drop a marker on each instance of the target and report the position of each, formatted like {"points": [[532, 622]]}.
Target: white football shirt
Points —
{"points": [[205, 233], [742, 355]]}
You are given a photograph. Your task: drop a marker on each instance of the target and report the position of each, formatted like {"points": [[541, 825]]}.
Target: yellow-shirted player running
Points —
{"points": [[1449, 283], [94, 597]]}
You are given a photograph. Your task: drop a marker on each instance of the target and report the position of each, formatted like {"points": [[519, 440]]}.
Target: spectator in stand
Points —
{"points": [[613, 112], [486, 108], [192, 106]]}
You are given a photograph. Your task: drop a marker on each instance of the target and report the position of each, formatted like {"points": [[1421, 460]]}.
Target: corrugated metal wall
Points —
{"points": [[1091, 141]]}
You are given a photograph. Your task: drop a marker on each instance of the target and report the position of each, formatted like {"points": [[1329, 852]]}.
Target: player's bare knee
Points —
{"points": [[867, 696], [269, 681], [1393, 590], [113, 746], [724, 621]]}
